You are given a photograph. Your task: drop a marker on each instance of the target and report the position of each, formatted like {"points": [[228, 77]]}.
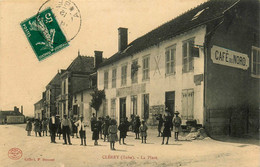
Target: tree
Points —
{"points": [[97, 97]]}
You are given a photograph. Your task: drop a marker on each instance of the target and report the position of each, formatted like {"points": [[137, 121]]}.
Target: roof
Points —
{"points": [[40, 101], [193, 18], [56, 80], [82, 64], [7, 113]]}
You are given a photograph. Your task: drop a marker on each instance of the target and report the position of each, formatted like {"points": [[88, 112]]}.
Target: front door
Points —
{"points": [[122, 109], [170, 101]]}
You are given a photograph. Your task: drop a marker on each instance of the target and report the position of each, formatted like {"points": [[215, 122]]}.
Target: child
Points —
{"points": [[112, 130], [123, 130], [29, 127], [37, 127], [160, 124], [94, 129], [177, 125], [143, 130], [105, 127]]}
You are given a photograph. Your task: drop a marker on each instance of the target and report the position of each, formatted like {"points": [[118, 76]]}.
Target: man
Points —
{"points": [[81, 124], [53, 125], [66, 129]]}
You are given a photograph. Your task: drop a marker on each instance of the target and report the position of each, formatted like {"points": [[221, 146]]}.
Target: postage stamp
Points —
{"points": [[44, 34]]}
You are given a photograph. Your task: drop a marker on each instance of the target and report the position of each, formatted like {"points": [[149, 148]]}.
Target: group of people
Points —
{"points": [[39, 127], [169, 123], [103, 127]]}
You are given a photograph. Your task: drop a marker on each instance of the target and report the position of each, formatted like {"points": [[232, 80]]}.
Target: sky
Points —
{"points": [[23, 78]]}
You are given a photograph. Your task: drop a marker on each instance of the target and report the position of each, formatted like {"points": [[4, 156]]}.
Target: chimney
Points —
{"points": [[21, 109], [122, 39], [98, 58]]}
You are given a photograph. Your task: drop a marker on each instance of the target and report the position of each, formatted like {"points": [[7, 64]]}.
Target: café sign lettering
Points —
{"points": [[230, 58]]}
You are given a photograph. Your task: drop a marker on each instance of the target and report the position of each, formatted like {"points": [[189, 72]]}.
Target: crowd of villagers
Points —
{"points": [[103, 128]]}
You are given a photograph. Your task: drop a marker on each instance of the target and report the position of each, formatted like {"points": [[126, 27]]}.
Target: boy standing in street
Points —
{"points": [[81, 124]]}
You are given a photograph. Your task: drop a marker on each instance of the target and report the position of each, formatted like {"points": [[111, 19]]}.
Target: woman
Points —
{"points": [[112, 130], [37, 127], [167, 129], [28, 127], [44, 126], [95, 132], [123, 130]]}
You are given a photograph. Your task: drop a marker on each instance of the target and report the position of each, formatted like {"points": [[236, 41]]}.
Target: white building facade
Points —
{"points": [[166, 74]]}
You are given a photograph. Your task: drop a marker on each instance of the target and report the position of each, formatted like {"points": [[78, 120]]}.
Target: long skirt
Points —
{"points": [[167, 132], [95, 135]]}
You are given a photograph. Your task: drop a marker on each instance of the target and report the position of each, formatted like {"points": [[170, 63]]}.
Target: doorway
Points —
{"points": [[122, 109], [170, 101]]}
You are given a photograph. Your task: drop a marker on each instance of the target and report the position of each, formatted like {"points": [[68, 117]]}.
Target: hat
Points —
{"points": [[57, 115], [166, 109], [177, 113], [81, 116]]}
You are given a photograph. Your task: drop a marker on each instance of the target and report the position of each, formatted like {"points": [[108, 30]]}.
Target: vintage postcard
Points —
{"points": [[95, 83]]}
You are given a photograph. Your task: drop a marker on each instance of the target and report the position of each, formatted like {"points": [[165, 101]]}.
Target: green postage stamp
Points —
{"points": [[44, 34]]}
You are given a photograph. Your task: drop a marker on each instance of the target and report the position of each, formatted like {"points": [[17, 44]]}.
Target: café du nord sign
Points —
{"points": [[230, 58]]}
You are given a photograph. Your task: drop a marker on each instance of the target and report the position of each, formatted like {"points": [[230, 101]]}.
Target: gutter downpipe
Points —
{"points": [[207, 39]]}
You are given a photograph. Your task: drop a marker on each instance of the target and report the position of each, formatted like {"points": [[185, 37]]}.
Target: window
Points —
{"points": [[134, 105], [187, 103], [113, 109], [123, 75], [134, 71], [114, 78], [64, 86], [145, 102], [106, 79], [82, 96], [146, 66], [105, 107], [170, 55], [187, 57], [75, 98], [255, 66]]}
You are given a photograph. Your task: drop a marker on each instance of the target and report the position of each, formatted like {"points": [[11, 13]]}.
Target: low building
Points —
{"points": [[204, 64], [12, 116]]}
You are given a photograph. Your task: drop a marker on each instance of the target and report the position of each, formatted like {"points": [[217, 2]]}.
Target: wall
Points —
{"points": [[159, 82], [233, 89]]}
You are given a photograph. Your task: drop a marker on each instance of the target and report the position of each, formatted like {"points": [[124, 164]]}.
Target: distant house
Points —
{"points": [[205, 64], [77, 83], [39, 112], [11, 114], [53, 89]]}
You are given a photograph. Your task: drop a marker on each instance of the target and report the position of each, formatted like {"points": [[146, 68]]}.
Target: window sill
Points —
{"points": [[146, 80], [170, 74], [255, 76]]}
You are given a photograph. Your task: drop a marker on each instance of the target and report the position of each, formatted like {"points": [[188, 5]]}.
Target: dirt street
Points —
{"points": [[38, 151]]}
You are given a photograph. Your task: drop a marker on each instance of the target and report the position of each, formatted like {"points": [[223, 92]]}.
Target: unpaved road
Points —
{"points": [[38, 151]]}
